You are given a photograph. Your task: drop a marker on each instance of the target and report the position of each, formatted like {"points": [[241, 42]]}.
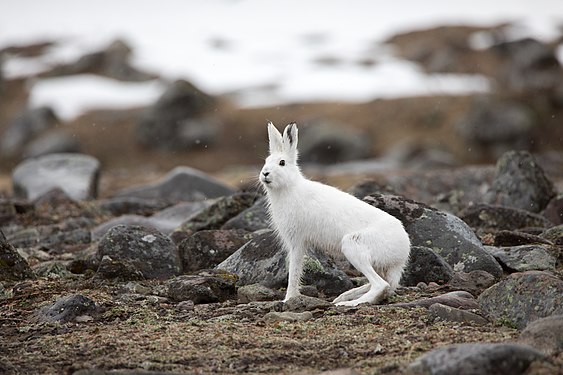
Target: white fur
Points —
{"points": [[307, 214]]}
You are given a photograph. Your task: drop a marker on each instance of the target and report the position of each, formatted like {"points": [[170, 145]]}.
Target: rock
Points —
{"points": [[28, 124], [520, 183], [522, 298], [446, 234], [205, 287], [458, 299], [59, 141], [257, 292], [545, 335], [67, 309], [262, 260], [76, 174], [132, 206], [125, 220], [148, 250], [7, 211], [306, 303], [179, 119], [523, 258], [121, 269], [452, 314], [425, 266], [514, 238], [252, 219], [492, 217], [497, 126], [182, 184], [54, 198], [207, 248], [287, 316], [479, 358], [368, 187], [474, 282], [329, 144], [554, 235], [12, 266], [52, 269], [554, 210], [214, 216]]}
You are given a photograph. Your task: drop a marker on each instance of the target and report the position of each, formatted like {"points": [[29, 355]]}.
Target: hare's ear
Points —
{"points": [[275, 137], [290, 137]]}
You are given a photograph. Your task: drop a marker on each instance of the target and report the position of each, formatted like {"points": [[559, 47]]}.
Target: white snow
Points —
{"points": [[263, 51]]}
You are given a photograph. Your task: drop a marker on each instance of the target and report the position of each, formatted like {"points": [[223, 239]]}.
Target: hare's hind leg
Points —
{"points": [[352, 294], [358, 253]]}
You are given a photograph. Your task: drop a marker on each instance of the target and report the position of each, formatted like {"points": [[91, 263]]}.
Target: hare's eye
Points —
{"points": [[282, 162]]}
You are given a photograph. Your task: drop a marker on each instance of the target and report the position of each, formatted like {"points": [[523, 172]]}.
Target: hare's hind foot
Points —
{"points": [[374, 295], [352, 294]]}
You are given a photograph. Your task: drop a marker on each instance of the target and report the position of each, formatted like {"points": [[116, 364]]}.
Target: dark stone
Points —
{"points": [[182, 184], [425, 266], [520, 183], [121, 269], [479, 358], [206, 287], [474, 282], [148, 250], [513, 238], [252, 219], [305, 303], [458, 299], [132, 206], [214, 216], [365, 188], [446, 234], [67, 309], [522, 298], [524, 258], [7, 211], [501, 218], [554, 210], [452, 314], [207, 248], [53, 142], [76, 174], [545, 335], [257, 292], [12, 266]]}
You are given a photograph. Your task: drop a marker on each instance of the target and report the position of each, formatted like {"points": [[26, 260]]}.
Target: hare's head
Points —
{"points": [[280, 169]]}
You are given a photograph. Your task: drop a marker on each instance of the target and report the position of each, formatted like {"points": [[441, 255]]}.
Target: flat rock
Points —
{"points": [[425, 266], [522, 298], [446, 234], [476, 359], [76, 174], [148, 250], [252, 219], [474, 282], [257, 293], [13, 267], [524, 258], [458, 299], [287, 316], [452, 314], [182, 184], [554, 210], [520, 183], [67, 309], [501, 218], [206, 287], [545, 335], [305, 303]]}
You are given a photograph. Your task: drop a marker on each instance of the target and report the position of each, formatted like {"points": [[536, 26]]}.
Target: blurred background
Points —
{"points": [[145, 86]]}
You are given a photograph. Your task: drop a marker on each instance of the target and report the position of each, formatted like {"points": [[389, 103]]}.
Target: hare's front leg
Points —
{"points": [[295, 257]]}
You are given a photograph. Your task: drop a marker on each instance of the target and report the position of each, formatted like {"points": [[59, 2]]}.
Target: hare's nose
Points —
{"points": [[265, 174]]}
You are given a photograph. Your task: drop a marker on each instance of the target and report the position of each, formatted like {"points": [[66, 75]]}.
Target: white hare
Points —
{"points": [[307, 214]]}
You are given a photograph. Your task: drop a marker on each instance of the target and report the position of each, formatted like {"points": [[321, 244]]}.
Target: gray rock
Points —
{"points": [[119, 268], [182, 184], [495, 217], [67, 309], [76, 174], [257, 292], [252, 219], [425, 266], [262, 260], [474, 282], [545, 335], [26, 125], [7, 211], [12, 266], [205, 287], [506, 238], [207, 248], [178, 119], [476, 359], [127, 220], [522, 298], [305, 303], [458, 299], [52, 269], [523, 258], [132, 206], [59, 141], [554, 210], [214, 216], [287, 316], [446, 234], [148, 250], [520, 183], [452, 314], [554, 235]]}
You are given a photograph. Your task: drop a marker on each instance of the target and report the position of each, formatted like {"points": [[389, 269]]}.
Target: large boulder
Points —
{"points": [[263, 260], [425, 266], [522, 298], [546, 335], [12, 266], [524, 258], [446, 234], [150, 252], [520, 183], [76, 174]]}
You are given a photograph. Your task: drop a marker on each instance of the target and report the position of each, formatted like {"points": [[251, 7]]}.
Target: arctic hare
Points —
{"points": [[307, 214]]}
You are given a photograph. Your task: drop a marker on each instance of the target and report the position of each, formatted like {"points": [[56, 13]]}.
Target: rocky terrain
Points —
{"points": [[118, 258]]}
